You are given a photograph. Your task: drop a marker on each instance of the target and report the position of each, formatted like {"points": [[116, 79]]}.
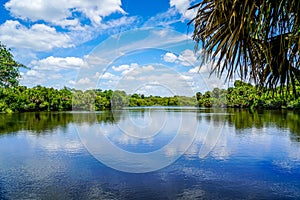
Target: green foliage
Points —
{"points": [[142, 100], [39, 98], [255, 39], [9, 68], [245, 95], [119, 99]]}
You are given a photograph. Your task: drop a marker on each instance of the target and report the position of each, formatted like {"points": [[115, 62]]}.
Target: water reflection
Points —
{"points": [[48, 121], [242, 119], [238, 118], [233, 154], [150, 129], [131, 145]]}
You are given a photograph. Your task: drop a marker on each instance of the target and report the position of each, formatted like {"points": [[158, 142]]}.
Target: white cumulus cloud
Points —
{"points": [[186, 58], [170, 57], [34, 73], [133, 69], [84, 81], [147, 68], [53, 71], [57, 63], [182, 7], [124, 69], [38, 37], [120, 68], [63, 12], [109, 76]]}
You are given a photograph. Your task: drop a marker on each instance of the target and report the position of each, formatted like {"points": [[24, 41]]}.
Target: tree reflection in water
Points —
{"points": [[240, 119]]}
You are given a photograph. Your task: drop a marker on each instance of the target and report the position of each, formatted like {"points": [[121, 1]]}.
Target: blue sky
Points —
{"points": [[139, 46]]}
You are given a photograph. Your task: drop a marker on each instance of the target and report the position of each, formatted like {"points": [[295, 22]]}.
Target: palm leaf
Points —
{"points": [[256, 39]]}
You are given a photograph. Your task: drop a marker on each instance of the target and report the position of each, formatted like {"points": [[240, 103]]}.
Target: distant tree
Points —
{"points": [[119, 99], [198, 96], [9, 68], [259, 39]]}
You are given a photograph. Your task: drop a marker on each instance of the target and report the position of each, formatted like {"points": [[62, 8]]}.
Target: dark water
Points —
{"points": [[161, 153]]}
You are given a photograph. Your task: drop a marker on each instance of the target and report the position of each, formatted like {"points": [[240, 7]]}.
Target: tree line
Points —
{"points": [[258, 40], [246, 95], [40, 98]]}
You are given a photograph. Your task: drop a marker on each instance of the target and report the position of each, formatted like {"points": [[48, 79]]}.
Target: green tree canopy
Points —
{"points": [[9, 68], [258, 39]]}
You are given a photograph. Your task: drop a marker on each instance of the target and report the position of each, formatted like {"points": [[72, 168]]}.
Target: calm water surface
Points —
{"points": [[192, 154]]}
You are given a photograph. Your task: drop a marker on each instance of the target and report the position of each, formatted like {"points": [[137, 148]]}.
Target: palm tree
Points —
{"points": [[257, 39]]}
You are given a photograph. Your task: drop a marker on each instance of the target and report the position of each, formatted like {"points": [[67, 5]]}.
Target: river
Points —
{"points": [[150, 153]]}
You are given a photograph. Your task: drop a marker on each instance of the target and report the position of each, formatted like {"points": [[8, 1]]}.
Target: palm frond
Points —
{"points": [[258, 39]]}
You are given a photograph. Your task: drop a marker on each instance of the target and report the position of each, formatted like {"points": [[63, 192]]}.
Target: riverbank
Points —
{"points": [[242, 95]]}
